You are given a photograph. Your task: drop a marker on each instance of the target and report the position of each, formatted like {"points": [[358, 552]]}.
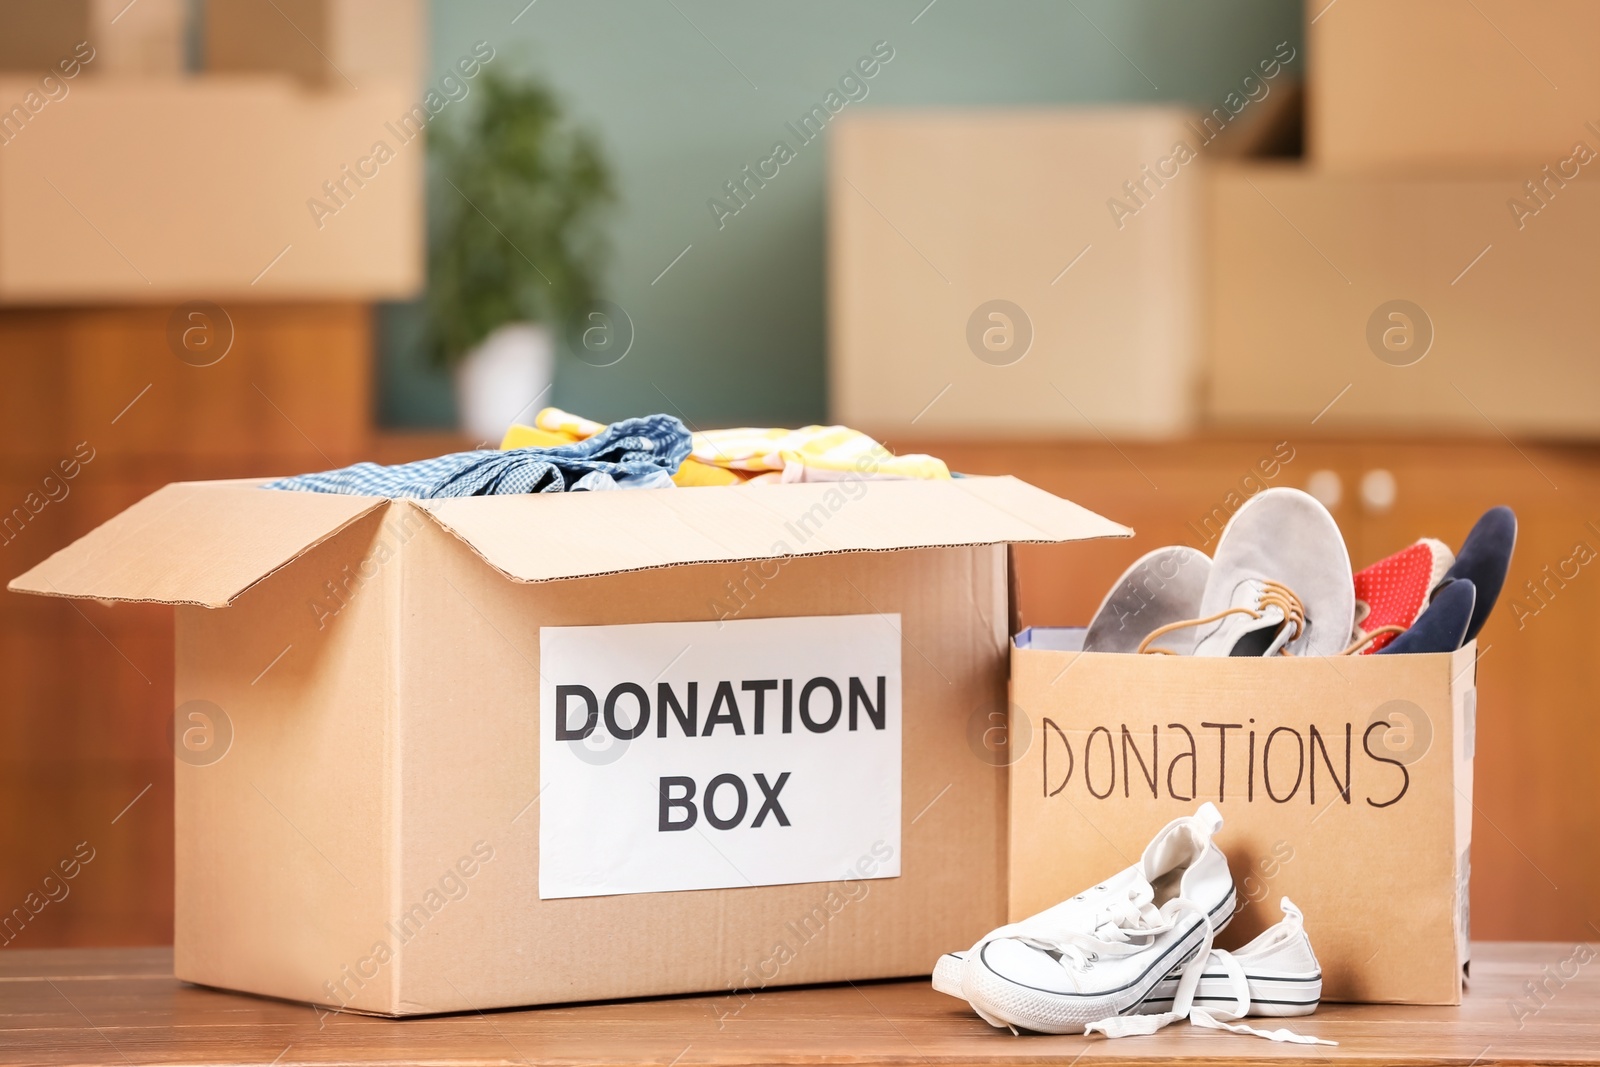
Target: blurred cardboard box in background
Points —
{"points": [[1402, 84], [148, 39], [997, 272], [36, 35], [215, 184], [322, 43], [1454, 303]]}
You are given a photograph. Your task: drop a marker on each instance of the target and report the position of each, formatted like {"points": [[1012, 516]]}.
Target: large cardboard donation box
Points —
{"points": [[470, 753], [1345, 784]]}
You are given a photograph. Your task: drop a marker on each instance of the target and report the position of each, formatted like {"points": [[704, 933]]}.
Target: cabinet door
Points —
{"points": [[98, 408]]}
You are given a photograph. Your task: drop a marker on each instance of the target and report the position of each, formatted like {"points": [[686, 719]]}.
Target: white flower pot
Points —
{"points": [[506, 379]]}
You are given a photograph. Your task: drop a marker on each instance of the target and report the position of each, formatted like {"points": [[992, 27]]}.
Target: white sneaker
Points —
{"points": [[1276, 975], [947, 974], [1102, 953]]}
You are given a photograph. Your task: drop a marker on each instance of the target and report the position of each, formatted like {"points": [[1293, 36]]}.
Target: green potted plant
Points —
{"points": [[516, 249]]}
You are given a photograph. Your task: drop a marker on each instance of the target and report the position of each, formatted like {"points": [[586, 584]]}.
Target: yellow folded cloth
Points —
{"points": [[727, 457], [811, 453], [533, 437], [557, 421], [693, 472]]}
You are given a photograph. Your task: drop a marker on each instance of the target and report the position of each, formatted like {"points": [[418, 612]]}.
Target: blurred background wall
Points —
{"points": [[683, 96]]}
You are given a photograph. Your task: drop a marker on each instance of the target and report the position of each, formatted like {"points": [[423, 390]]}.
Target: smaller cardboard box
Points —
{"points": [[1345, 784], [461, 754]]}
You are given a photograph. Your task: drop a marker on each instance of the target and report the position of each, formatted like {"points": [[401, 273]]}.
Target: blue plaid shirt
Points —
{"points": [[633, 453]]}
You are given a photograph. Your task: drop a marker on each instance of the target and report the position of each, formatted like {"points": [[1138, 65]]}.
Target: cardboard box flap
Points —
{"points": [[544, 537], [193, 543]]}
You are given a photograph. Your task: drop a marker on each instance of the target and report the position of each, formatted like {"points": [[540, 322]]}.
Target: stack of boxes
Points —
{"points": [[1425, 264], [228, 183], [323, 43], [1025, 272], [1448, 150]]}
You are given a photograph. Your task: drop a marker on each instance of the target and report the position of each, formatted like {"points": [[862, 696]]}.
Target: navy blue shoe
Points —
{"points": [[1442, 626], [1484, 559]]}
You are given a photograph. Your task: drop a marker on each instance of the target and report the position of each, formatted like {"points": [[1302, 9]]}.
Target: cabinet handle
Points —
{"points": [[1378, 490], [1326, 486]]}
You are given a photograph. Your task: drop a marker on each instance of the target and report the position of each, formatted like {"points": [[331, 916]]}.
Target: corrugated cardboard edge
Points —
{"points": [[394, 705], [30, 580], [717, 562], [1109, 529], [335, 532], [1464, 708], [531, 539]]}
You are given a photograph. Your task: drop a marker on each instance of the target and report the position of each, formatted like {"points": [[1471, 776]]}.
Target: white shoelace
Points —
{"points": [[1183, 1001], [1188, 980], [1118, 927]]}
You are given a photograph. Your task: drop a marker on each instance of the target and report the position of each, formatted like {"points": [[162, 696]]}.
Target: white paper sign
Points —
{"points": [[707, 755]]}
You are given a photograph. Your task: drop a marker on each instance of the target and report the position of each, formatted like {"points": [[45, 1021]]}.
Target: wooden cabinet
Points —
{"points": [[1535, 874], [96, 411]]}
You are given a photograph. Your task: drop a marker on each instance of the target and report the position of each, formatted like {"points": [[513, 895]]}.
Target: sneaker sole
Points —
{"points": [[947, 971], [947, 975], [1053, 1012], [1272, 996]]}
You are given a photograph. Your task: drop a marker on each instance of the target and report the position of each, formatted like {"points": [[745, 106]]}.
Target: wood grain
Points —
{"points": [[120, 1006], [86, 708]]}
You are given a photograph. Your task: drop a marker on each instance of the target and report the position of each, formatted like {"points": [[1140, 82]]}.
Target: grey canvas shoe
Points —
{"points": [[1160, 587], [1280, 583]]}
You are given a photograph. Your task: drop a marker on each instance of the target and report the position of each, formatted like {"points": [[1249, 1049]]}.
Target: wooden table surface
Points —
{"points": [[122, 1006]]}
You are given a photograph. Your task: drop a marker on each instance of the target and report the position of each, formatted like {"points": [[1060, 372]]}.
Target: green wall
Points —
{"points": [[684, 93]]}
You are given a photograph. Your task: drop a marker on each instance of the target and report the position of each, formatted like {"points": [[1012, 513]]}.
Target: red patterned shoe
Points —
{"points": [[1394, 591]]}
